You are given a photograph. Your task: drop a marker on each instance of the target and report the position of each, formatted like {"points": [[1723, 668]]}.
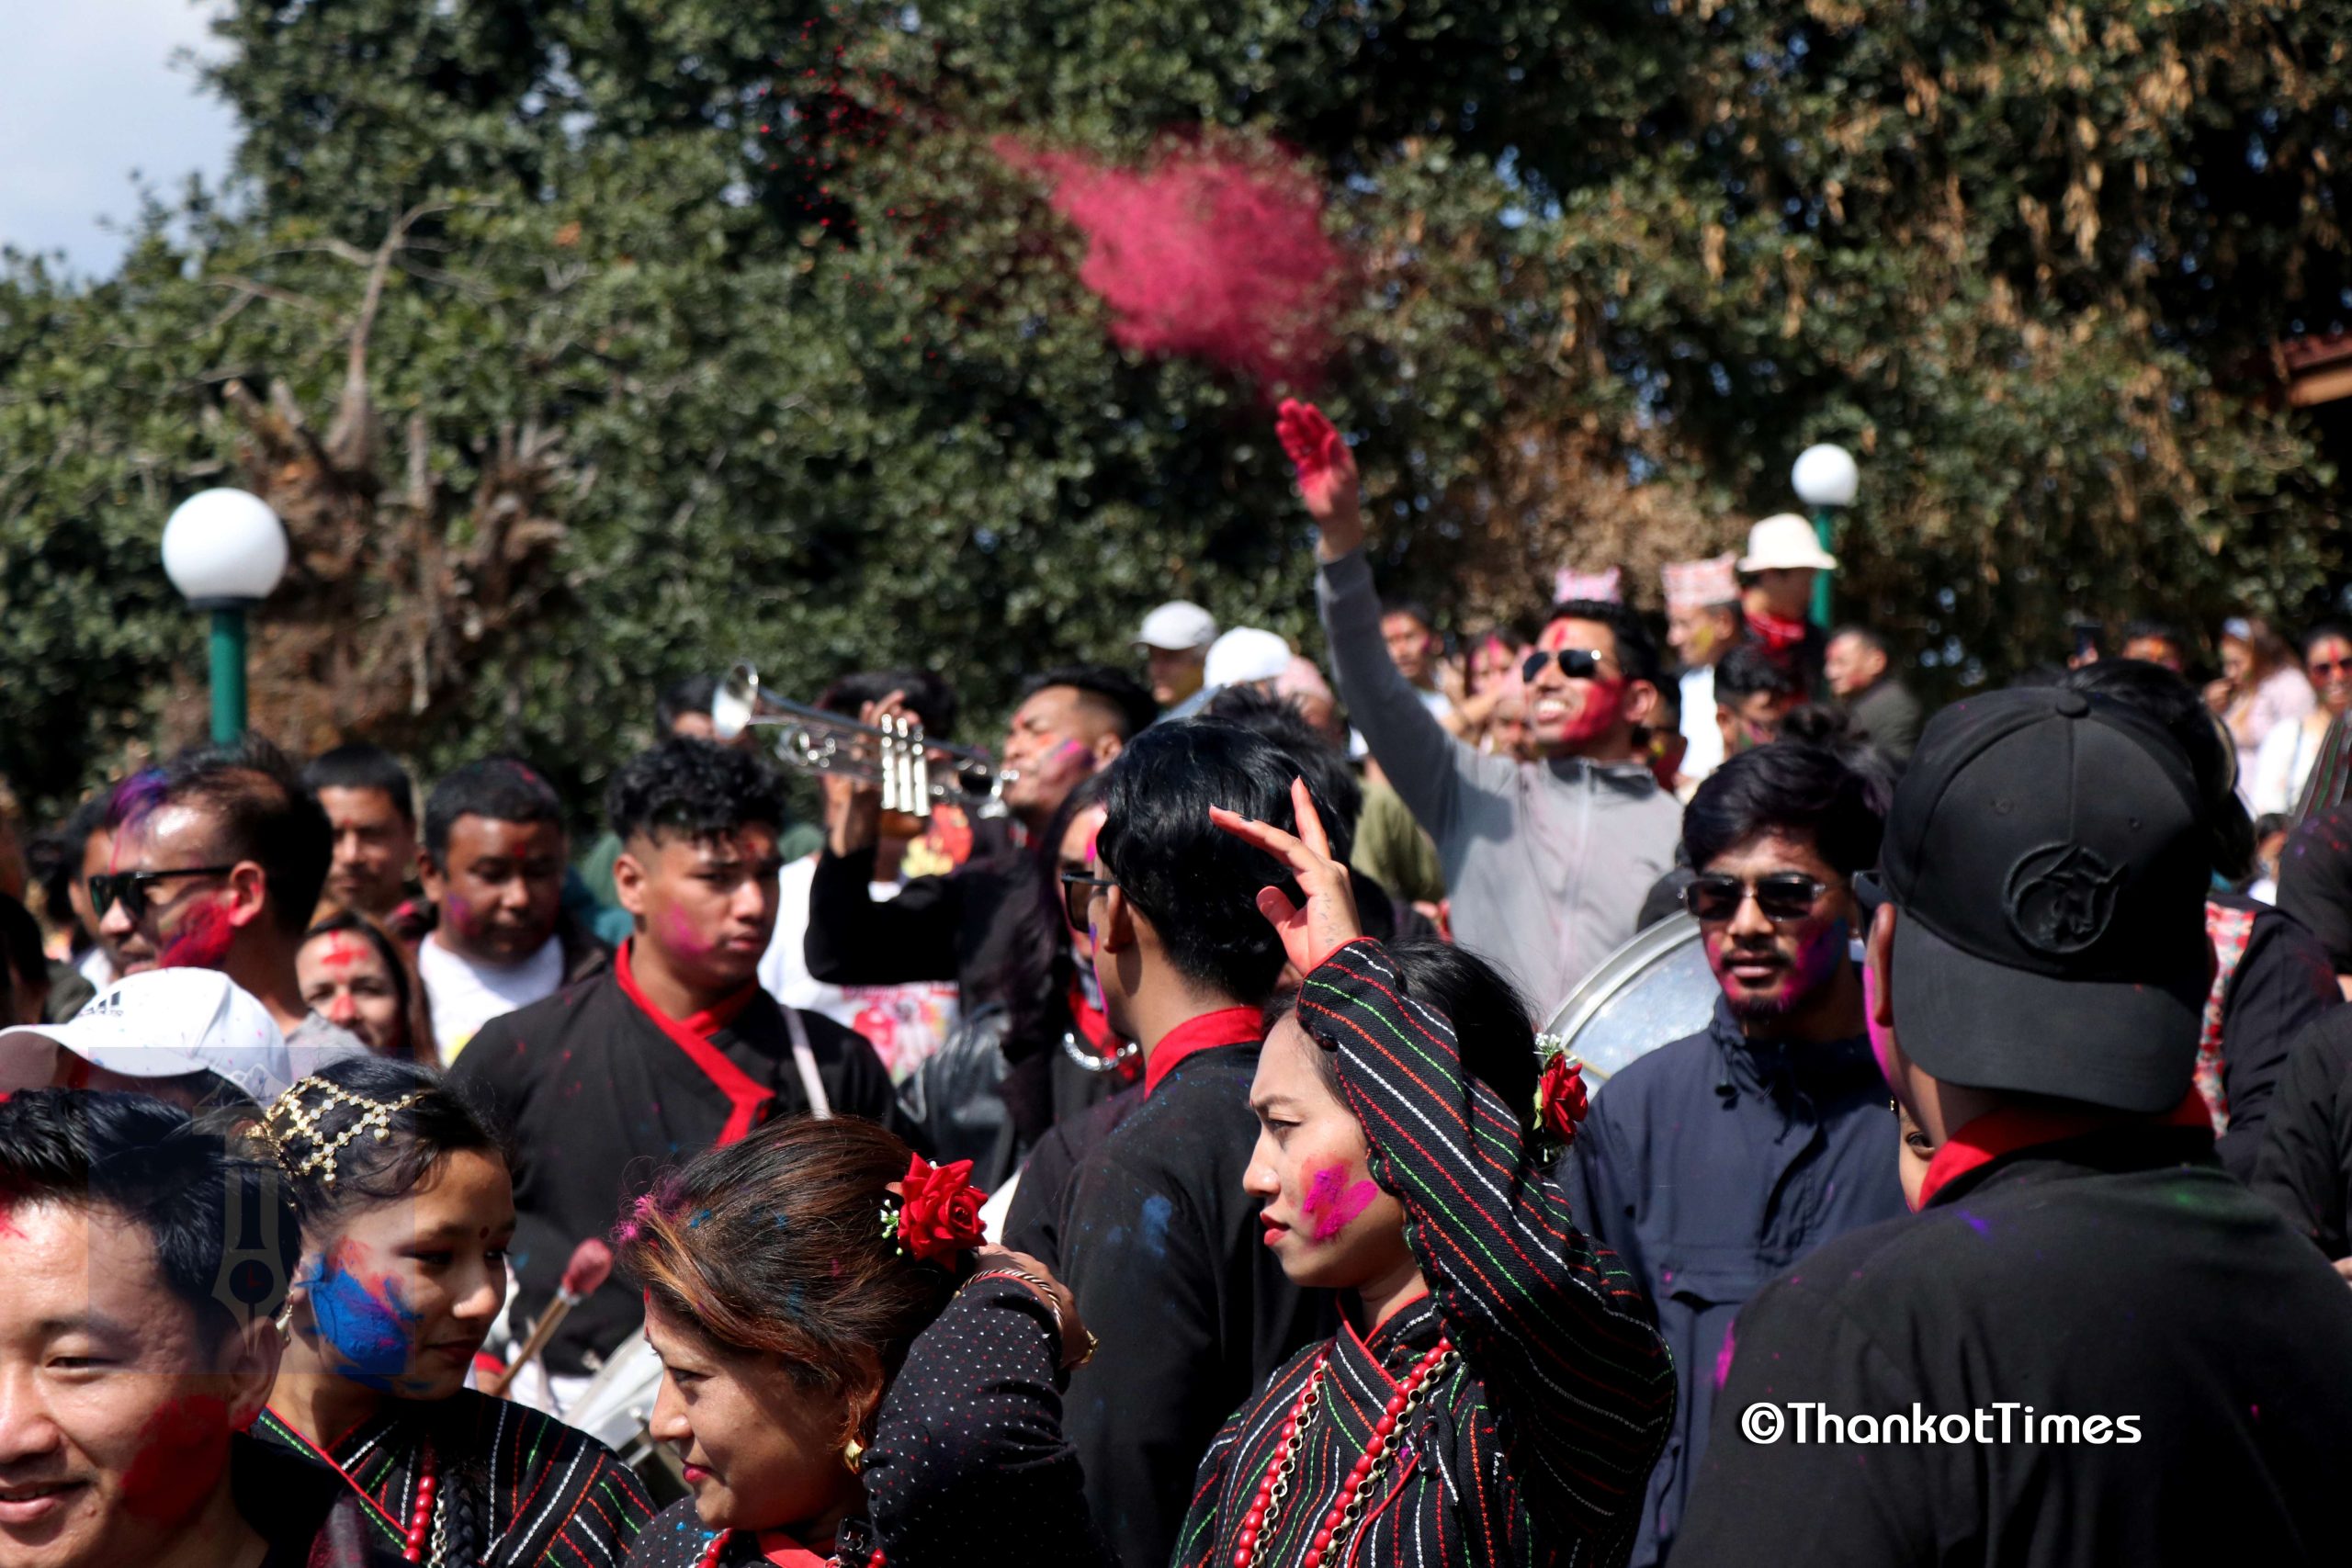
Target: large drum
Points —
{"points": [[1655, 988], [616, 1409]]}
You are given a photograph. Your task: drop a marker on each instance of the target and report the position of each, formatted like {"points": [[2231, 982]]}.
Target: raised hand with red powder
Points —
{"points": [[1326, 476]]}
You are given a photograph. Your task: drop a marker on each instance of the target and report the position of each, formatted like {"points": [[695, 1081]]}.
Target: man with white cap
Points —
{"points": [[1175, 641], [1703, 621], [190, 1036], [1783, 553], [1245, 656]]}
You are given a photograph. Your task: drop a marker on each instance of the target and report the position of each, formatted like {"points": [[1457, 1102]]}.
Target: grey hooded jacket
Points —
{"points": [[1545, 863]]}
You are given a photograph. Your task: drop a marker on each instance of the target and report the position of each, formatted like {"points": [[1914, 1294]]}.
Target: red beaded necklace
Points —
{"points": [[1258, 1523], [718, 1544]]}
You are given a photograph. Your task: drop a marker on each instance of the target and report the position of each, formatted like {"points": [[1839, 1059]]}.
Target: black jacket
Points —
{"points": [[2280, 987], [2305, 1164], [2119, 1275], [597, 1099], [1164, 1252]]}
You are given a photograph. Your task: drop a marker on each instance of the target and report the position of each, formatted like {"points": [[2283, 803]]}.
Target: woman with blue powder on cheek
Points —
{"points": [[407, 1210]]}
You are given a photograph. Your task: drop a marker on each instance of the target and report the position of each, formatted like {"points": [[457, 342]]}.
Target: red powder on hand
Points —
{"points": [[1203, 254]]}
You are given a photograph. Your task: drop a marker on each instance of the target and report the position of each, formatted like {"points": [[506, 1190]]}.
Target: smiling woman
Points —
{"points": [[407, 1210]]}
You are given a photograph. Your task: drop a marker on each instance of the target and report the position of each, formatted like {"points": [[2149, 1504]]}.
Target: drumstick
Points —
{"points": [[591, 1266]]}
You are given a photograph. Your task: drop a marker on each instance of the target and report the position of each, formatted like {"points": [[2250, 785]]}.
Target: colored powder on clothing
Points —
{"points": [[1157, 1211], [183, 1448], [1333, 1204], [201, 939], [368, 1325], [1724, 1353], [1205, 254]]}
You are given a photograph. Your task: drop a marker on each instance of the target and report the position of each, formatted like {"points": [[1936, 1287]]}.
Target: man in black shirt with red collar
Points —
{"points": [[674, 1048], [2091, 1345], [1159, 1242]]}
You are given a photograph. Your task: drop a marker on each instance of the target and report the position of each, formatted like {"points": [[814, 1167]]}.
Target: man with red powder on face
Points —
{"points": [[673, 1048], [1711, 1163], [217, 861], [1545, 862], [136, 1347]]}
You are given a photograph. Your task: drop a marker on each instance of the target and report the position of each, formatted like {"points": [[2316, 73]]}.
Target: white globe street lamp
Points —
{"points": [[1826, 478], [225, 551]]}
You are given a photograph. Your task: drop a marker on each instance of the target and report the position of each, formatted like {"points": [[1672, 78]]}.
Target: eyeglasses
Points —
{"points": [[2325, 667], [1782, 896], [131, 887], [1078, 892], [1576, 663]]}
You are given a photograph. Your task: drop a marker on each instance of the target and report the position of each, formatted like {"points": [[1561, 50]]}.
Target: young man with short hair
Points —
{"points": [[371, 807], [1159, 1242], [218, 861], [140, 1264], [1409, 631], [671, 1048], [492, 867], [1545, 862], [2090, 1344], [1754, 690], [1715, 1161]]}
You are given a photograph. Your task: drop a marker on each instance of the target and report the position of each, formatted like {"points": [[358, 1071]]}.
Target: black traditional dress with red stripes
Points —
{"points": [[1529, 1444], [517, 1489], [968, 1467]]}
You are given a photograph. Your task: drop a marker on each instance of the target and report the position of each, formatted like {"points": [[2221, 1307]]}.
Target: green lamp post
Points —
{"points": [[1826, 479], [224, 550]]}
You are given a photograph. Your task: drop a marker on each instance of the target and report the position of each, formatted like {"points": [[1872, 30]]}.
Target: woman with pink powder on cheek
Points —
{"points": [[1402, 1161]]}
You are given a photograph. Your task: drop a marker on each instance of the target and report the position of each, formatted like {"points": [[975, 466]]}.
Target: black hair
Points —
{"points": [[1328, 777], [2180, 711], [698, 788], [1867, 637], [1406, 606], [500, 789], [20, 936], [362, 765], [181, 1179], [1038, 966], [2340, 630], [1636, 649], [1113, 693], [55, 859], [1195, 883], [1492, 1027], [2271, 822], [2155, 631], [1792, 787], [931, 699], [260, 811], [372, 1166], [693, 694], [1749, 668]]}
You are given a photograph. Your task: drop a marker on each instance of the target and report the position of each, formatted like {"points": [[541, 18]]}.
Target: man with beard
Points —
{"points": [[1545, 862], [1714, 1162]]}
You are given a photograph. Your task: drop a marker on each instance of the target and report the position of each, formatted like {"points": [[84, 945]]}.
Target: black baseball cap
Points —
{"points": [[2049, 856]]}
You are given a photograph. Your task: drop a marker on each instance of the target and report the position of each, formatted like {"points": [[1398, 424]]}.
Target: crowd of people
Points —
{"points": [[1154, 1158]]}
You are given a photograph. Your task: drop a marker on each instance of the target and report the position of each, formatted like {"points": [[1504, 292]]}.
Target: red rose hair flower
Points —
{"points": [[1560, 1097], [938, 1215]]}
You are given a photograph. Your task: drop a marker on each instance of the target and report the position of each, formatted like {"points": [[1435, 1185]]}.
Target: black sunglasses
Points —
{"points": [[131, 887], [1078, 892], [1782, 896], [1576, 663]]}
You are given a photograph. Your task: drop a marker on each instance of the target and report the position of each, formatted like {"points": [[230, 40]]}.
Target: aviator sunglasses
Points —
{"points": [[1576, 663], [1782, 896]]}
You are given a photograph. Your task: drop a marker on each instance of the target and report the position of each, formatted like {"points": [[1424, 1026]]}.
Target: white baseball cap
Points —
{"points": [[1782, 542], [164, 1023], [1177, 626], [1243, 655]]}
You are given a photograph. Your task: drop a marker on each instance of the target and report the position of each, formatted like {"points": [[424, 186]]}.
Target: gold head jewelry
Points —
{"points": [[289, 1119]]}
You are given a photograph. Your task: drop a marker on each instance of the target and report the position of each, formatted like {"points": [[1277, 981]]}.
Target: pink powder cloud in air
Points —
{"points": [[1203, 254]]}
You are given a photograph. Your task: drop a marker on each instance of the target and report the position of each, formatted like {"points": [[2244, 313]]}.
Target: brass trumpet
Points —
{"points": [[914, 774]]}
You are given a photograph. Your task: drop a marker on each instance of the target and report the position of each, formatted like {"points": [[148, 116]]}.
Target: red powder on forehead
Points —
{"points": [[183, 1449], [1205, 254], [342, 951]]}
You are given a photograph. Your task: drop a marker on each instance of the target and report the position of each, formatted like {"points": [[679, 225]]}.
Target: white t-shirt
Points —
{"points": [[465, 994], [905, 1024], [1699, 726]]}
